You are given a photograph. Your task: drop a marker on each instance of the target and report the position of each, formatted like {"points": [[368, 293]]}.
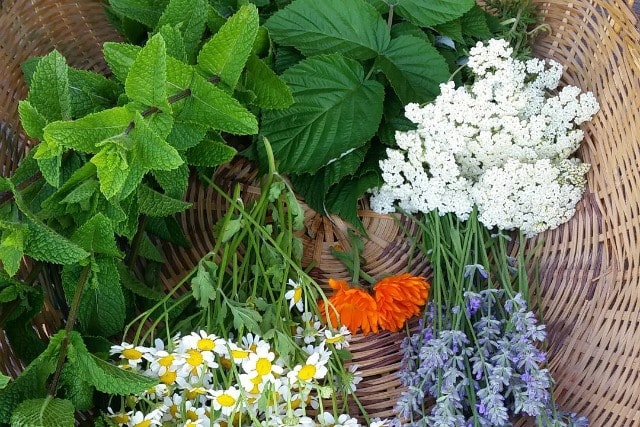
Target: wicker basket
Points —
{"points": [[590, 267]]}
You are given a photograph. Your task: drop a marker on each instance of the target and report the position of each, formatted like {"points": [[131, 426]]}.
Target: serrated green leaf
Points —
{"points": [[153, 151], [213, 107], [215, 20], [102, 308], [91, 92], [112, 169], [4, 380], [129, 226], [50, 168], [434, 12], [149, 251], [32, 121], [32, 381], [335, 110], [244, 318], [27, 168], [203, 285], [44, 244], [186, 135], [474, 23], [271, 91], [226, 53], [210, 153], [286, 57], [174, 41], [414, 68], [452, 29], [96, 236], [49, 91], [160, 123], [167, 228], [147, 12], [353, 28], [173, 182], [137, 287], [104, 376], [147, 75], [12, 250], [78, 183], [75, 388], [83, 134], [120, 57], [343, 198], [82, 192], [137, 171], [190, 16], [152, 203], [47, 412]]}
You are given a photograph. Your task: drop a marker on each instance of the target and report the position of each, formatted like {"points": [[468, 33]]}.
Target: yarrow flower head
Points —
{"points": [[501, 144]]}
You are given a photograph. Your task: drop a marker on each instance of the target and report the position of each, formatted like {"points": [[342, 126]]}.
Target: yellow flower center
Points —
{"points": [[166, 361], [253, 347], [263, 366], [191, 414], [226, 363], [297, 294], [120, 418], [195, 358], [206, 344], [168, 377], [307, 372], [295, 403], [239, 354], [173, 410], [335, 339], [226, 400], [195, 392], [144, 423], [132, 354]]}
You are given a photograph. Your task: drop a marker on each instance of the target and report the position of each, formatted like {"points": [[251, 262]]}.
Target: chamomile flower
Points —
{"points": [[132, 354], [204, 342], [310, 328], [173, 404], [168, 361], [197, 361], [262, 362], [339, 339], [313, 368], [324, 353], [377, 422], [227, 401], [252, 383], [351, 379], [120, 418], [140, 419], [167, 376], [252, 342], [237, 353], [294, 296], [344, 420]]}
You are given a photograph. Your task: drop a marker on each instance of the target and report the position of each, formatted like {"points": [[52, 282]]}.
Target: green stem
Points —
{"points": [[73, 314]]}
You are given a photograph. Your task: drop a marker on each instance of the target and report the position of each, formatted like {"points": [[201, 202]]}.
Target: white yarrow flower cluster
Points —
{"points": [[501, 144]]}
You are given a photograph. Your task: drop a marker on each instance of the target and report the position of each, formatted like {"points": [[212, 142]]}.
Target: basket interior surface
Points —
{"points": [[589, 267]]}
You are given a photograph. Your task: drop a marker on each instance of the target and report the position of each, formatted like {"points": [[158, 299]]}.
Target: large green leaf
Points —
{"points": [[226, 53], [353, 28], [49, 91], [414, 68], [270, 90], [190, 17], [335, 110], [12, 250], [83, 134], [210, 153], [432, 12], [46, 412], [44, 244], [91, 92], [112, 169], [147, 12], [146, 79], [120, 57], [154, 152], [173, 182], [32, 121], [153, 203], [96, 236]]}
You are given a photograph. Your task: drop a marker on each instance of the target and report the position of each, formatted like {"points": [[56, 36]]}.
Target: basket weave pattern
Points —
{"points": [[590, 267]]}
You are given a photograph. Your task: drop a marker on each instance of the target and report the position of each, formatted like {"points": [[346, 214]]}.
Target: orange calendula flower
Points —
{"points": [[356, 308], [398, 298]]}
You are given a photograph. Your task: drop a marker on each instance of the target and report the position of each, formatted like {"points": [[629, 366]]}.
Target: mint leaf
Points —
{"points": [[147, 75], [83, 134], [226, 53], [210, 153], [342, 200], [96, 236], [174, 41], [414, 68], [120, 57], [44, 244], [153, 151], [91, 92], [146, 12], [82, 192], [32, 121], [152, 203], [104, 376], [112, 169], [4, 380], [190, 16], [102, 307], [167, 228], [149, 251], [32, 381], [186, 135], [12, 250], [427, 14], [49, 90], [50, 167], [216, 109], [271, 91], [203, 285], [173, 182], [75, 388], [353, 28], [27, 168], [335, 110], [47, 412], [137, 287]]}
